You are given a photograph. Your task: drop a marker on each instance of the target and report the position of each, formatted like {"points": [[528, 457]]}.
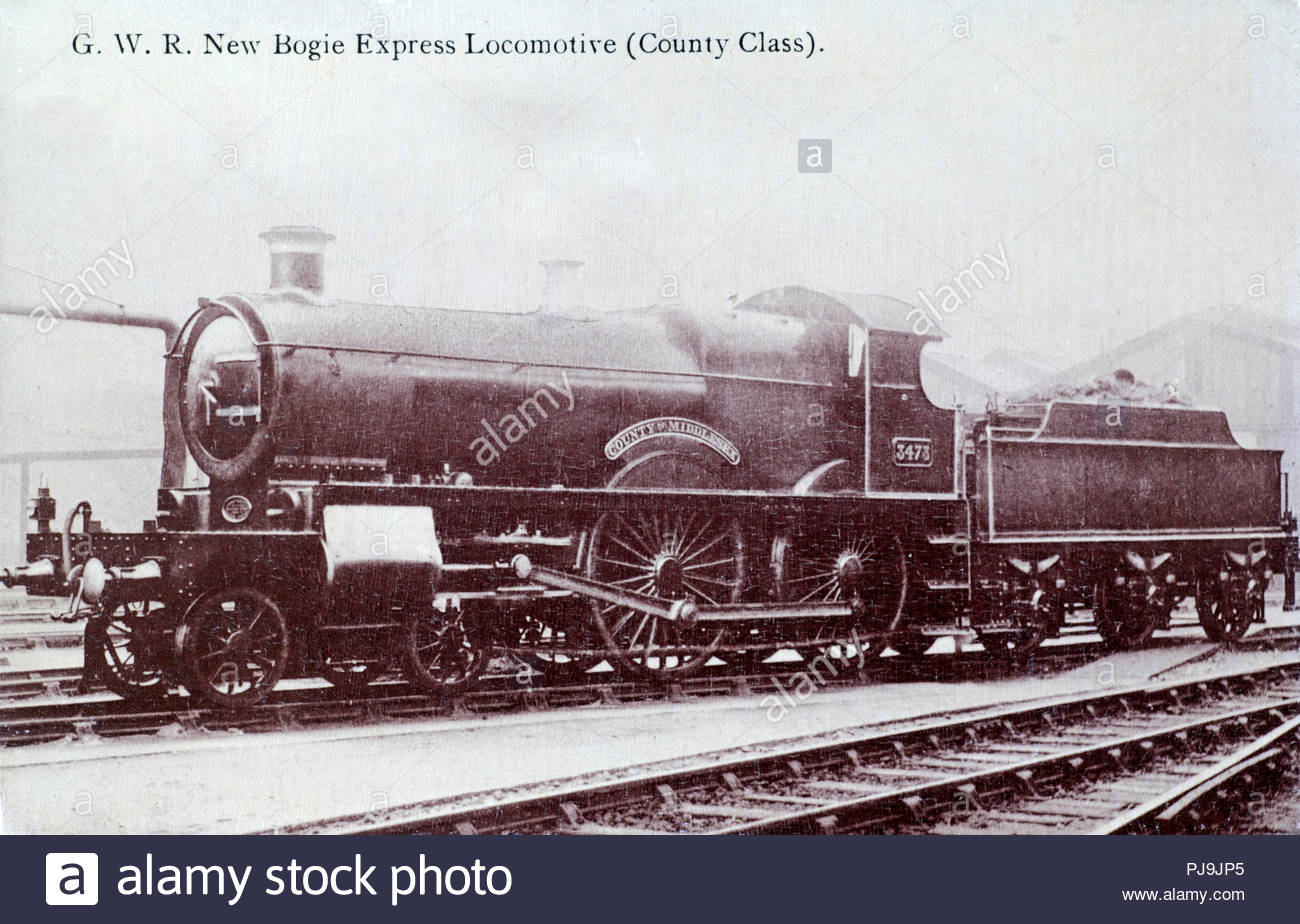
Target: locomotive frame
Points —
{"points": [[708, 527]]}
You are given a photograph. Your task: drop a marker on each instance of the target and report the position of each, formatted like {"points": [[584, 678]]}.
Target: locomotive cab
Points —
{"points": [[904, 444]]}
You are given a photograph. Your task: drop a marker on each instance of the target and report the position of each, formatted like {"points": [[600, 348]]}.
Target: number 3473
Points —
{"points": [[912, 451]]}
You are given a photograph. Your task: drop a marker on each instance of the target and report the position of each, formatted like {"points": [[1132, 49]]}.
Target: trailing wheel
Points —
{"points": [[129, 648], [673, 554], [442, 652], [233, 645]]}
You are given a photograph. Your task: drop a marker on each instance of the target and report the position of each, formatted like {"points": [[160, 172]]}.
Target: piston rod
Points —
{"points": [[688, 612], [672, 610], [718, 613]]}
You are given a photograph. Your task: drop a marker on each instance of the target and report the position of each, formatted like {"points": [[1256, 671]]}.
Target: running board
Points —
{"points": [[687, 612]]}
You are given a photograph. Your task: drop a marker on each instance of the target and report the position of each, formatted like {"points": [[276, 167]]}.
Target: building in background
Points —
{"points": [[952, 379]]}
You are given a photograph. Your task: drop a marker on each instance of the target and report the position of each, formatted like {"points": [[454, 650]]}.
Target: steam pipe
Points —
{"points": [[112, 314], [83, 509]]}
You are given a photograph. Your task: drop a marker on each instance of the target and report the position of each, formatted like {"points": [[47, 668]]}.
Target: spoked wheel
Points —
{"points": [[129, 648], [1226, 608], [441, 653], [234, 646], [673, 554], [838, 565], [1127, 614], [835, 565]]}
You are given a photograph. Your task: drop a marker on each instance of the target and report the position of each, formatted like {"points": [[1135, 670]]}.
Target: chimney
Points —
{"points": [[561, 291], [297, 257]]}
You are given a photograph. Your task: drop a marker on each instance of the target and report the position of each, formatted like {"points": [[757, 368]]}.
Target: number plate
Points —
{"points": [[912, 452]]}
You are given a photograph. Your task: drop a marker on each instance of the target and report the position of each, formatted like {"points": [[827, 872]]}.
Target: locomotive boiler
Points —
{"points": [[349, 486]]}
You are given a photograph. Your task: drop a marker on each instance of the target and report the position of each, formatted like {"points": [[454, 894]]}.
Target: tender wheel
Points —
{"points": [[1018, 643], [128, 646], [440, 653], [1039, 617], [671, 554], [1127, 614], [1226, 608], [234, 645]]}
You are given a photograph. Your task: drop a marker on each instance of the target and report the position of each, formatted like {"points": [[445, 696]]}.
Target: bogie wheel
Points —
{"points": [[1128, 614], [127, 644], [441, 652], [233, 645], [1226, 609]]}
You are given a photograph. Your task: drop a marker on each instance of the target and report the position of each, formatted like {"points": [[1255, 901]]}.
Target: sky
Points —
{"points": [[1134, 161]]}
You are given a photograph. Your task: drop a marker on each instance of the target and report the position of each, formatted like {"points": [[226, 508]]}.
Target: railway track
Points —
{"points": [[1084, 763], [101, 714], [20, 635], [26, 684], [105, 715], [1225, 795]]}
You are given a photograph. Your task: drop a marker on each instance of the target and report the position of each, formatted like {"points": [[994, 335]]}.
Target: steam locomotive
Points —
{"points": [[350, 486]]}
